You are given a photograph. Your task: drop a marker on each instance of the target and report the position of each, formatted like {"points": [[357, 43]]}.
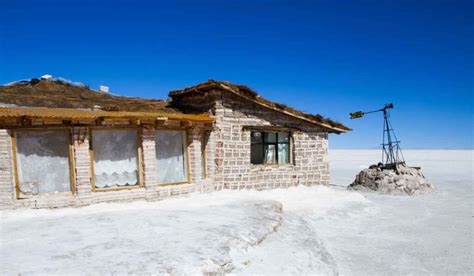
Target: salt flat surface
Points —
{"points": [[177, 237], [303, 230], [428, 234]]}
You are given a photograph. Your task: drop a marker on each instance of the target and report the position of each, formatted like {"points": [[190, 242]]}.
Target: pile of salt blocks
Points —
{"points": [[403, 180]]}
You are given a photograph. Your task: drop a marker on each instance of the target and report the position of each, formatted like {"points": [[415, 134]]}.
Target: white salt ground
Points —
{"points": [[322, 230], [427, 234]]}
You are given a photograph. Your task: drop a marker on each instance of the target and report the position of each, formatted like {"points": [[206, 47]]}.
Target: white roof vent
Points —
{"points": [[46, 77], [104, 89]]}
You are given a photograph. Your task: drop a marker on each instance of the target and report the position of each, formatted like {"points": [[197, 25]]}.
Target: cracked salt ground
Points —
{"points": [[134, 238], [306, 253], [215, 232], [297, 247]]}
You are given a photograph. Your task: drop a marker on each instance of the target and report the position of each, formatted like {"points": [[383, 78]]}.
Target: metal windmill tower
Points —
{"points": [[392, 155]]}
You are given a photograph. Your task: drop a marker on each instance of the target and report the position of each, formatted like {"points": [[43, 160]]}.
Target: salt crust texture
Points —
{"points": [[404, 180]]}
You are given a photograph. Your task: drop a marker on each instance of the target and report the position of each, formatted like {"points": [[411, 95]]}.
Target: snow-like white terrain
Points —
{"points": [[427, 234], [324, 230]]}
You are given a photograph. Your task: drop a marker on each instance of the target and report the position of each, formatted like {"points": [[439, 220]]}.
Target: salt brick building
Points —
{"points": [[67, 145]]}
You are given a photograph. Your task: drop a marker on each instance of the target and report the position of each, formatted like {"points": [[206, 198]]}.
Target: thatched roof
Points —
{"points": [[60, 94], [246, 92], [56, 99]]}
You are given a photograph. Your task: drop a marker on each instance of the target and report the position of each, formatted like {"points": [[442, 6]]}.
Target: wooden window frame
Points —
{"points": [[204, 141], [186, 155], [276, 143], [139, 159], [72, 175]]}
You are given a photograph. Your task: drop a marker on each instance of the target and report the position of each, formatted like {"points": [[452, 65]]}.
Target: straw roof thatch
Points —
{"points": [[246, 92], [61, 94], [57, 93]]}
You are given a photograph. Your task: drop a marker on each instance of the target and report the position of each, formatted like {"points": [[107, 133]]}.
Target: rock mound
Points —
{"points": [[399, 180]]}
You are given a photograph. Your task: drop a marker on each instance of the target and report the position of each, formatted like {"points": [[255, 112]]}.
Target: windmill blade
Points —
{"points": [[358, 114]]}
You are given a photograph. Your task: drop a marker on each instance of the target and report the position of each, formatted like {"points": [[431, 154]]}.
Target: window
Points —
{"points": [[115, 155], [171, 156], [270, 148], [42, 162]]}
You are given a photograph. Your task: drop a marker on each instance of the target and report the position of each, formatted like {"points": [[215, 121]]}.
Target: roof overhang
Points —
{"points": [[85, 114]]}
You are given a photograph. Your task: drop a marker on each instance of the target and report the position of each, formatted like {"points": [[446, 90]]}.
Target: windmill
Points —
{"points": [[392, 155]]}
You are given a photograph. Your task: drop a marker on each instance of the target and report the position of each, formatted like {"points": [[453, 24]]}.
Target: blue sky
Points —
{"points": [[327, 57]]}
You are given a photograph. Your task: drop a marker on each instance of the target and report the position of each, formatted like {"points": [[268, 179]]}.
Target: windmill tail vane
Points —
{"points": [[392, 155]]}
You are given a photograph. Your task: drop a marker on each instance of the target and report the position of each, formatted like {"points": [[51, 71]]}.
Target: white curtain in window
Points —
{"points": [[170, 156], [270, 154], [282, 153], [115, 158], [43, 161]]}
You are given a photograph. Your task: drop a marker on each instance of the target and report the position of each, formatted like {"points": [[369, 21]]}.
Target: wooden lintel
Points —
{"points": [[148, 126], [99, 121], [209, 126], [161, 123], [135, 122], [186, 124], [270, 128], [24, 121]]}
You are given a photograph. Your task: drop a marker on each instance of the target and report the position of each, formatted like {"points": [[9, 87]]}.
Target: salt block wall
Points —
{"points": [[231, 143], [83, 194], [7, 187]]}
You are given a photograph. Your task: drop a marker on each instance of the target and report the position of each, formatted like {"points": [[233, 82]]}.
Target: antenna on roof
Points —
{"points": [[391, 152]]}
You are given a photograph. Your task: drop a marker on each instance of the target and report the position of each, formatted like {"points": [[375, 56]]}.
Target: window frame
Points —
{"points": [[186, 156], [204, 151], [71, 157], [276, 143], [139, 159]]}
